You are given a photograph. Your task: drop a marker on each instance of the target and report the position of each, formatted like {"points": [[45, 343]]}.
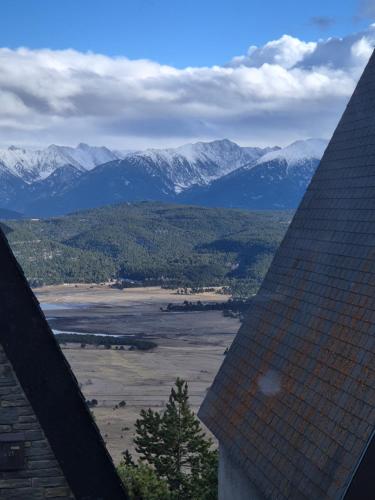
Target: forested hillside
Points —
{"points": [[150, 243]]}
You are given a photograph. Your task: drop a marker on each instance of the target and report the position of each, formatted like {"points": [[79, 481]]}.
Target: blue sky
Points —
{"points": [[159, 73], [176, 32]]}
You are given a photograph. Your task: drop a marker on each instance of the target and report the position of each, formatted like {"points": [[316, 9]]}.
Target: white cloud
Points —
{"points": [[361, 50], [285, 52], [285, 90]]}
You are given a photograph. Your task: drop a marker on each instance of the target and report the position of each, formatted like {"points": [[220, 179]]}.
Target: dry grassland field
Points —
{"points": [[190, 345]]}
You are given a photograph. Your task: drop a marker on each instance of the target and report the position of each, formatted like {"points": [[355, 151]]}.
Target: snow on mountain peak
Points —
{"points": [[218, 172], [180, 168], [297, 152], [199, 163], [36, 164]]}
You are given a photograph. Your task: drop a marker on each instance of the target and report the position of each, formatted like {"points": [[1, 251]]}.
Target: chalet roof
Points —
{"points": [[51, 388], [294, 401]]}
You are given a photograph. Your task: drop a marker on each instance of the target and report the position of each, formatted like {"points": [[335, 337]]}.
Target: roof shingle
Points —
{"points": [[294, 401]]}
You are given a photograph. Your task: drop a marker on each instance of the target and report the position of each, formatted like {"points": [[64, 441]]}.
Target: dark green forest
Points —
{"points": [[150, 243]]}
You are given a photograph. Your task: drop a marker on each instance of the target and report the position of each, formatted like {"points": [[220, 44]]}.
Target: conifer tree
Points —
{"points": [[175, 444], [142, 482]]}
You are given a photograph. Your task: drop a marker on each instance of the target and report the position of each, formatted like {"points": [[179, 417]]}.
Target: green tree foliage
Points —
{"points": [[150, 242], [175, 445], [142, 482]]}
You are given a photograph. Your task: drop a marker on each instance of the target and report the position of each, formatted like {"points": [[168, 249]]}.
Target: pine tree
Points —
{"points": [[176, 446], [142, 482], [127, 459]]}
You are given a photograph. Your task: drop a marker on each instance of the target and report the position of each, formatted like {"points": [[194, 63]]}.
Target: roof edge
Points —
{"points": [[52, 388]]}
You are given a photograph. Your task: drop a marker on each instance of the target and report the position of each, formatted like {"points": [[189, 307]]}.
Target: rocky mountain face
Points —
{"points": [[61, 179], [277, 180]]}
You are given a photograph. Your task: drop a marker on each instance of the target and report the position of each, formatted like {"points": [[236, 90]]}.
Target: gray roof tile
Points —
{"points": [[294, 402]]}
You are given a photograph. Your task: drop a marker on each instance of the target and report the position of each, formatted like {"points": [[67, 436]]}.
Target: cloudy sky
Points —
{"points": [[139, 73]]}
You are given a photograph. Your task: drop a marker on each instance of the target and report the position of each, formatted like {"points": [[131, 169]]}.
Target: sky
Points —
{"points": [[157, 73]]}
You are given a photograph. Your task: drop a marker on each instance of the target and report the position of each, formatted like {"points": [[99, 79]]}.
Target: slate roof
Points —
{"points": [[294, 401], [51, 388]]}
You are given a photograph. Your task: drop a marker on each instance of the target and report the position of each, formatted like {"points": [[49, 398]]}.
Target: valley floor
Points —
{"points": [[190, 345]]}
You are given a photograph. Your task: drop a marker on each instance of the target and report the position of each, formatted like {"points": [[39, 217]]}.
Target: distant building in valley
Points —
{"points": [[50, 446], [293, 405]]}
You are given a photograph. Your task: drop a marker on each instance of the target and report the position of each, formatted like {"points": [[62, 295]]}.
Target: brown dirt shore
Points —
{"points": [[190, 345]]}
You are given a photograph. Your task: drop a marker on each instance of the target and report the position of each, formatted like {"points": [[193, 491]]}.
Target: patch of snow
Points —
{"points": [[297, 152], [199, 163], [37, 164]]}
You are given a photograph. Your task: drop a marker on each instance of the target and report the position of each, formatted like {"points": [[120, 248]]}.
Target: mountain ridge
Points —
{"points": [[216, 173], [276, 181]]}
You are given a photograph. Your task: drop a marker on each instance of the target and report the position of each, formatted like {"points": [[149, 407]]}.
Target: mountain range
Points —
{"points": [[59, 179]]}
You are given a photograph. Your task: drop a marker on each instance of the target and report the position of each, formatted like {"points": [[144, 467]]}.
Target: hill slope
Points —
{"points": [[168, 244]]}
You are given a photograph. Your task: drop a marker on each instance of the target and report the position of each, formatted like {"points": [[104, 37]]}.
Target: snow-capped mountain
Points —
{"points": [[32, 165], [148, 175], [186, 165], [276, 180], [199, 163], [296, 154], [61, 179]]}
